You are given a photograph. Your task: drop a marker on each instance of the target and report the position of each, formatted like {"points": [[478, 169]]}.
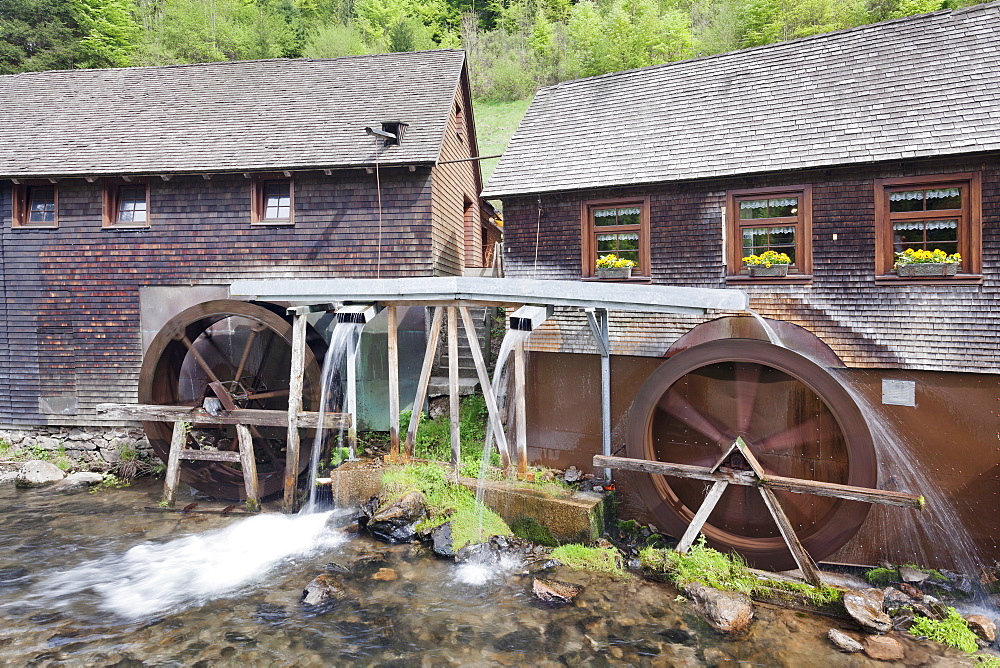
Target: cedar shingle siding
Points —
{"points": [[937, 326]]}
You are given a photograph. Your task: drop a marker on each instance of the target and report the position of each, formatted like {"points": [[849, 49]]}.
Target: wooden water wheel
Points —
{"points": [[796, 418], [239, 354]]}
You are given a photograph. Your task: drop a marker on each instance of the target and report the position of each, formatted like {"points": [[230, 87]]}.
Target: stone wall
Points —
{"points": [[95, 448]]}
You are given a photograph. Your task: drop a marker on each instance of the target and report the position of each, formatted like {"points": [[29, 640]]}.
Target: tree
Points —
{"points": [[333, 40], [37, 35], [110, 32]]}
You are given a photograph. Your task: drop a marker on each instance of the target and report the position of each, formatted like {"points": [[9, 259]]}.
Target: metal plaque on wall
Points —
{"points": [[899, 392]]}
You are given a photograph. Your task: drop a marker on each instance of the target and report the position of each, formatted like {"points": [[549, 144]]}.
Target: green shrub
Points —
{"points": [[952, 631], [602, 559]]}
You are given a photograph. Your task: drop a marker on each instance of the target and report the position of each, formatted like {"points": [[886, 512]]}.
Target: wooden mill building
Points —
{"points": [[841, 150], [128, 195]]}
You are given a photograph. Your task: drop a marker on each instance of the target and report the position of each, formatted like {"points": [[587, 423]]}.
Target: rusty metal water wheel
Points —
{"points": [[798, 421], [247, 347]]}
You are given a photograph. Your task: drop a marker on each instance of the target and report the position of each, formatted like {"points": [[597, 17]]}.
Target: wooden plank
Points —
{"points": [[484, 382], [829, 489], [749, 456], [173, 475], [520, 410], [802, 558], [700, 517], [295, 380], [249, 466], [200, 417], [425, 377], [210, 455], [392, 342], [456, 435]]}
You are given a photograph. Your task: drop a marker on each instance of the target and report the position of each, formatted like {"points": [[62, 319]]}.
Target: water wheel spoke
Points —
{"points": [[792, 437], [270, 394], [679, 407], [254, 330], [747, 383], [199, 359]]}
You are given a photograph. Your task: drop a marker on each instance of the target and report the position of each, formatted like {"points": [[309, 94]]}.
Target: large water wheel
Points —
{"points": [[796, 417], [246, 348]]}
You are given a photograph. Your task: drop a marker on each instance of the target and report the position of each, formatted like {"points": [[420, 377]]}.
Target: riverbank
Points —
{"points": [[427, 613]]}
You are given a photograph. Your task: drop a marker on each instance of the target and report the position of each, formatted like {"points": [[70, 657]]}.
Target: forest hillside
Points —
{"points": [[514, 46]]}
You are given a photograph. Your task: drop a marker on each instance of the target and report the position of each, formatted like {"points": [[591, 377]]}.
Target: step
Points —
{"points": [[439, 386]]}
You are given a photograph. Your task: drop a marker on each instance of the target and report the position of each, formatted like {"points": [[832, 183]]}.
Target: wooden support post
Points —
{"points": [[425, 378], [249, 466], [456, 436], [484, 382], [392, 326], [173, 475], [700, 517], [520, 410], [802, 558], [295, 381]]}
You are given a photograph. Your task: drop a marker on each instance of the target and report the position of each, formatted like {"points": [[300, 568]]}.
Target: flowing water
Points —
{"points": [[93, 579], [938, 525], [345, 335]]}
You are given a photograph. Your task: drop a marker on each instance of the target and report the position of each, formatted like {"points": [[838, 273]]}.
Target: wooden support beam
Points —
{"points": [[249, 466], [456, 436], [700, 517], [819, 488], [484, 382], [520, 409], [200, 417], [799, 553], [173, 475], [392, 340], [425, 378], [295, 381]]}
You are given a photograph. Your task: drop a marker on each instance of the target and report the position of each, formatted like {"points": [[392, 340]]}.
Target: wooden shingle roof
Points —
{"points": [[921, 86], [231, 116]]}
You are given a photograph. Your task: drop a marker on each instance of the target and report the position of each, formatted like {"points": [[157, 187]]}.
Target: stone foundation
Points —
{"points": [[91, 447]]}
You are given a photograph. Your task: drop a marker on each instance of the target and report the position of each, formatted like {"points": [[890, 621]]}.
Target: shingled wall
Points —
{"points": [[71, 326], [938, 326]]}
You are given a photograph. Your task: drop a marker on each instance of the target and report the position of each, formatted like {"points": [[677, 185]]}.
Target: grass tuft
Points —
{"points": [[446, 501], [728, 572], [952, 631], [580, 557]]}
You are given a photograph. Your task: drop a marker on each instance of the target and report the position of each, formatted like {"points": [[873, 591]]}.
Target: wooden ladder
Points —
{"points": [[178, 452]]}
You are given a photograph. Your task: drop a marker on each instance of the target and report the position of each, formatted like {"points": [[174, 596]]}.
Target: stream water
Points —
{"points": [[93, 579]]}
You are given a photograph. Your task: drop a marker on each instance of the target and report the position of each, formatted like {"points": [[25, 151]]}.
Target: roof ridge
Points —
{"points": [[229, 62], [774, 45]]}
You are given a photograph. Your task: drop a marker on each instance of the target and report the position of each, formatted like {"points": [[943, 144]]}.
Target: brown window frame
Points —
{"points": [[969, 221], [112, 200], [589, 234], [258, 188], [802, 268], [21, 205]]}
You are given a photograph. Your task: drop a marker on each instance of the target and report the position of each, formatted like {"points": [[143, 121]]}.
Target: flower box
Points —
{"points": [[926, 269], [762, 270], [614, 272]]}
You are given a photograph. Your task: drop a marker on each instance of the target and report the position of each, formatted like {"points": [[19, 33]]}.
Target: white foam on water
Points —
{"points": [[481, 571], [155, 578]]}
